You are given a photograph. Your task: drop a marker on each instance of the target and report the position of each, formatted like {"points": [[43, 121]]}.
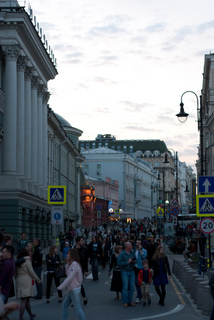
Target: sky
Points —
{"points": [[124, 64]]}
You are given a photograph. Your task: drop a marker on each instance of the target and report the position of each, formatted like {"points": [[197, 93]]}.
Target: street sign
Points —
{"points": [[57, 194], [57, 215], [160, 211], [205, 205], [98, 214], [185, 210], [99, 207], [174, 203], [117, 211], [206, 184], [174, 211], [174, 221], [207, 225]]}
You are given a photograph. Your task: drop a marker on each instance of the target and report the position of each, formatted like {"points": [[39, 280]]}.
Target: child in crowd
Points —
{"points": [[65, 251], [144, 280]]}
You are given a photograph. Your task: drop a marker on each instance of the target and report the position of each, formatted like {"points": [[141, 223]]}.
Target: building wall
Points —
{"points": [[134, 177]]}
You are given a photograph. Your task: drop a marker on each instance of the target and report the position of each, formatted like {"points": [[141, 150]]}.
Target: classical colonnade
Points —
{"points": [[25, 121]]}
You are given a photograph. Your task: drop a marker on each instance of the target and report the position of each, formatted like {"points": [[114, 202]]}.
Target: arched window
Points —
{"points": [[156, 153], [157, 164], [147, 153]]}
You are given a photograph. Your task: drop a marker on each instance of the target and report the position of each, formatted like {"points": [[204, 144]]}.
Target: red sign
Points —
{"points": [[207, 225]]}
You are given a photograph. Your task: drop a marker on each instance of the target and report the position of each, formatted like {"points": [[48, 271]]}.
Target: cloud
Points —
{"points": [[132, 106], [102, 110], [156, 27], [104, 80], [108, 30], [205, 26], [139, 128]]}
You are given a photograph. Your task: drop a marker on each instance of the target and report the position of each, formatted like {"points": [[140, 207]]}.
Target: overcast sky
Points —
{"points": [[123, 65]]}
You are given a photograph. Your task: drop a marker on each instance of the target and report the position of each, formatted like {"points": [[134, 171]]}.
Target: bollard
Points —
{"points": [[197, 282], [193, 286], [184, 279], [175, 267], [200, 293], [189, 279], [184, 274], [207, 301], [180, 269]]}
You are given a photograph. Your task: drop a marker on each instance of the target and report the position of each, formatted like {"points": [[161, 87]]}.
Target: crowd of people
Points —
{"points": [[132, 253]]}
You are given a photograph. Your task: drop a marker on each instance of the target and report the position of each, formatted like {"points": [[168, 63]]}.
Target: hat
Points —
{"points": [[152, 236]]}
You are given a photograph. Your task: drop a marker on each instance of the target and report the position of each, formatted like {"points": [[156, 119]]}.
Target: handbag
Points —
{"points": [[60, 272]]}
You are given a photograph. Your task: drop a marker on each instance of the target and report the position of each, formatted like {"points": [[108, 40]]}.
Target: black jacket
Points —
{"points": [[90, 250], [156, 266], [211, 283], [52, 262], [37, 257], [83, 254]]}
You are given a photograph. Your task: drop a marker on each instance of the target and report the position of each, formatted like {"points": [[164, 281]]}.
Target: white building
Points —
{"points": [[138, 187], [37, 149]]}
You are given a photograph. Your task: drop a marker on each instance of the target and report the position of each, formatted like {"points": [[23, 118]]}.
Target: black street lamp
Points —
{"points": [[182, 117]]}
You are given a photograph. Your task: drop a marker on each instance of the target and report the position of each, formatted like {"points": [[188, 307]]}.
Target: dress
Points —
{"points": [[24, 275], [161, 278], [116, 283]]}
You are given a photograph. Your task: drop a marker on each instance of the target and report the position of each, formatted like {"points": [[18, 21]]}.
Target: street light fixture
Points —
{"points": [[182, 117]]}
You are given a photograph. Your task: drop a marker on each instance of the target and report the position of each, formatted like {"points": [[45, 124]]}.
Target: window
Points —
{"points": [[100, 145], [87, 145], [81, 146], [99, 169], [86, 169], [106, 144], [157, 164], [131, 149], [124, 149], [113, 147], [93, 145], [156, 153], [148, 153], [118, 148]]}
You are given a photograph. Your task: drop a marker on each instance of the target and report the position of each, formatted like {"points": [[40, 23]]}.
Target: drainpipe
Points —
{"points": [[68, 182], [53, 154], [60, 159]]}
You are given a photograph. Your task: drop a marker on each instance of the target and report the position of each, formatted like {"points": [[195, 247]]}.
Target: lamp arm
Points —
{"points": [[196, 98]]}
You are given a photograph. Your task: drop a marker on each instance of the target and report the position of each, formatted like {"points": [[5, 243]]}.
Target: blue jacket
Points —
{"points": [[141, 257], [122, 261]]}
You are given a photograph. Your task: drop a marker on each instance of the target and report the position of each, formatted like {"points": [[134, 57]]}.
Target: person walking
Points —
{"points": [[73, 284], [160, 266], [53, 261], [144, 279], [126, 260], [23, 241], [37, 266], [140, 254], [7, 268], [116, 282], [95, 251], [24, 275]]}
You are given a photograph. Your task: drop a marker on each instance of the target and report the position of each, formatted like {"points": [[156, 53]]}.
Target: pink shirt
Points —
{"points": [[74, 277]]}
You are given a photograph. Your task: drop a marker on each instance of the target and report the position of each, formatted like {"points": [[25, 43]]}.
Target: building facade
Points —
{"points": [[135, 178], [36, 148]]}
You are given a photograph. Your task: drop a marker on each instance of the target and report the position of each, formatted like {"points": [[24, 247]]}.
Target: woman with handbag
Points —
{"points": [[53, 261], [24, 275], [73, 284]]}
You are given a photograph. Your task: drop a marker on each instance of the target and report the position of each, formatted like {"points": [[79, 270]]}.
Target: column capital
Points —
{"points": [[41, 88], [12, 52], [28, 73], [21, 63], [46, 96], [34, 82]]}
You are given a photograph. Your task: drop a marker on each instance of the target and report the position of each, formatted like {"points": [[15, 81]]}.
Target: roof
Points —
{"points": [[62, 120], [100, 150]]}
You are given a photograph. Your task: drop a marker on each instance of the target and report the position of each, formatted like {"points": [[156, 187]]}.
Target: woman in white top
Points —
{"points": [[73, 284]]}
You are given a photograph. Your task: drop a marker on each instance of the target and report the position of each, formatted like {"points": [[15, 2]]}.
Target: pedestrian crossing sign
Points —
{"points": [[56, 194], [205, 205]]}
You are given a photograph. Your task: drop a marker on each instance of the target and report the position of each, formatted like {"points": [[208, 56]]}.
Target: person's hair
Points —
{"points": [[23, 253], [74, 255], [29, 244], [132, 237], [51, 251], [38, 240], [145, 261], [117, 248], [94, 237], [6, 238], [78, 239], [9, 249], [157, 254], [139, 240]]}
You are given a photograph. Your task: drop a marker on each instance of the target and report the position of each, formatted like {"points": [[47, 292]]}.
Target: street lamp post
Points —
{"points": [[182, 117]]}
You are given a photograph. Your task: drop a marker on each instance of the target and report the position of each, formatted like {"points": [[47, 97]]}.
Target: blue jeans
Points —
{"points": [[128, 279], [94, 268], [4, 298], [138, 288], [73, 296], [212, 314]]}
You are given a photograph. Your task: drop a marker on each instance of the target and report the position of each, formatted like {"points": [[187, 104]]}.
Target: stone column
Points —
{"points": [[46, 96], [27, 148], [20, 116], [10, 110], [34, 119], [40, 135]]}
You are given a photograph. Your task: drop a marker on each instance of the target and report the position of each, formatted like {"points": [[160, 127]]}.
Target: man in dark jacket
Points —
{"points": [[7, 271], [37, 266], [95, 251]]}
